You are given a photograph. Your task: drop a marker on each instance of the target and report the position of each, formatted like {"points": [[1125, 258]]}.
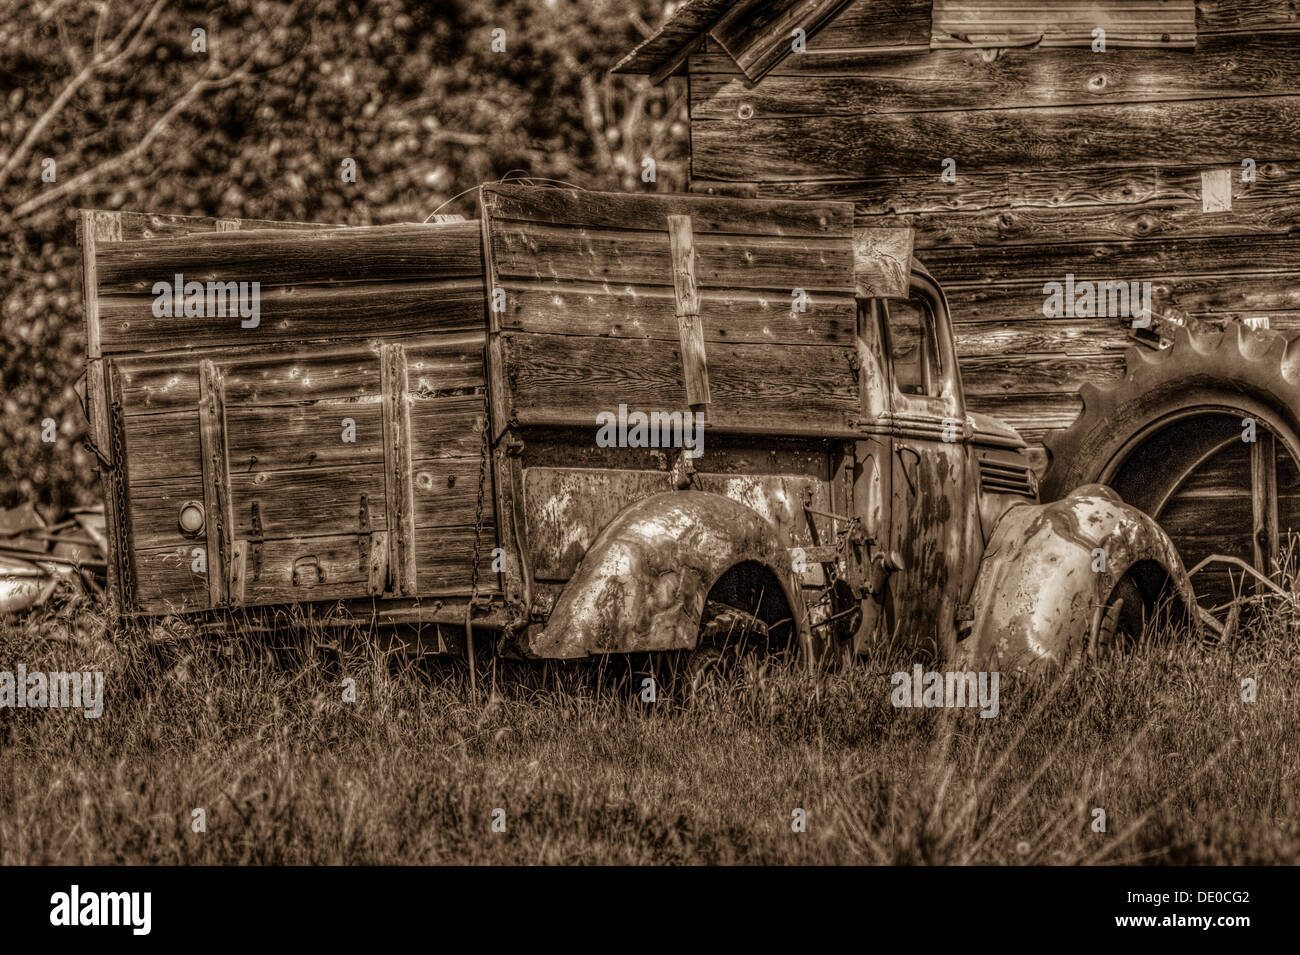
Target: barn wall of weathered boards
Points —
{"points": [[1067, 161]]}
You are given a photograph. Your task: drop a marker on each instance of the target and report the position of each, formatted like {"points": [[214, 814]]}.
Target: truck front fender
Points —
{"points": [[643, 582], [1042, 581]]}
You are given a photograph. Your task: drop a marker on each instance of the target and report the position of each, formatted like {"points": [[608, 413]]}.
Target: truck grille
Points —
{"points": [[997, 477]]}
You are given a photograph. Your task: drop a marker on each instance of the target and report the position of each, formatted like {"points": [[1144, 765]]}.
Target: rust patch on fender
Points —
{"points": [[643, 583]]}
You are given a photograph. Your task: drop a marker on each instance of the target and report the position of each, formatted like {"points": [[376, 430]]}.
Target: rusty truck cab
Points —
{"points": [[949, 473]]}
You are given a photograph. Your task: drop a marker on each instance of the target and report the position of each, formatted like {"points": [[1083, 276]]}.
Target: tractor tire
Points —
{"points": [[1179, 414], [1235, 371]]}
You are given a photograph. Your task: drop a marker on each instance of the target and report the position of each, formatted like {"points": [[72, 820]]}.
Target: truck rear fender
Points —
{"points": [[643, 583]]}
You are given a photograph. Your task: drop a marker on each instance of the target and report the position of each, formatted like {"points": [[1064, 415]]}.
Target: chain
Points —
{"points": [[478, 508], [484, 450], [117, 480], [218, 562]]}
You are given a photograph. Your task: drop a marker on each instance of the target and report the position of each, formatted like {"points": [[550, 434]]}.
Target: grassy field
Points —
{"points": [[255, 731]]}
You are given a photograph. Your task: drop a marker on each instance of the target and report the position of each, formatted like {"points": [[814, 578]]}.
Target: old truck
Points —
{"points": [[587, 422]]}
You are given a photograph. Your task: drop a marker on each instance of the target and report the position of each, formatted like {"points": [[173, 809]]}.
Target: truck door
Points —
{"points": [[929, 436]]}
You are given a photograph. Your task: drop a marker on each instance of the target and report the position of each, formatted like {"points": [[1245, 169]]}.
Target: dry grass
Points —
{"points": [[255, 731]]}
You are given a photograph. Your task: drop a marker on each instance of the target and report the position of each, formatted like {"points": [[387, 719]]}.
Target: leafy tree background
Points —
{"points": [[257, 127]]}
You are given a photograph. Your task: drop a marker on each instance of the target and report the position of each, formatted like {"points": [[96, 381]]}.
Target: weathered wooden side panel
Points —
{"points": [[790, 389], [333, 442], [588, 311]]}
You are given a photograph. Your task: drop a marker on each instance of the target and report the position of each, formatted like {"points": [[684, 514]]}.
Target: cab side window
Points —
{"points": [[913, 347]]}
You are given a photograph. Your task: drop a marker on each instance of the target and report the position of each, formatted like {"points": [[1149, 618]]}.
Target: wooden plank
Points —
{"points": [[561, 378], [1087, 338], [335, 558], [1163, 221], [155, 384], [875, 25], [155, 511], [300, 371], [1228, 295], [1227, 516], [446, 366], [216, 476], [503, 465], [397, 470], [112, 470], [1263, 502], [1071, 185], [446, 492], [1213, 297], [399, 253], [137, 225], [758, 34], [89, 283], [687, 22], [447, 427], [1079, 205], [550, 253], [307, 503], [882, 262], [1071, 205], [1031, 415], [1005, 23], [647, 312], [695, 368], [1226, 473], [616, 210], [444, 559], [162, 446], [297, 312], [851, 147], [849, 83], [166, 582], [1038, 374], [273, 437], [1116, 261], [1250, 16]]}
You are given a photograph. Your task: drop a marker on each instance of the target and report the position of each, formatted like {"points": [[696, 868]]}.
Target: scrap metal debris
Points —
{"points": [[37, 556]]}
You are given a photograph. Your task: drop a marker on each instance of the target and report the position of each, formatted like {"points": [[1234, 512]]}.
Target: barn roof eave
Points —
{"points": [[667, 47], [753, 33]]}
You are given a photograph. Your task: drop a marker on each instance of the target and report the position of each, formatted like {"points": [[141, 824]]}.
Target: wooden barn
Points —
{"points": [[1038, 141]]}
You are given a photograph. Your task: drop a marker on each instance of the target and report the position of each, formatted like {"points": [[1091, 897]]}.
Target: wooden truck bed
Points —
{"points": [[408, 396]]}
